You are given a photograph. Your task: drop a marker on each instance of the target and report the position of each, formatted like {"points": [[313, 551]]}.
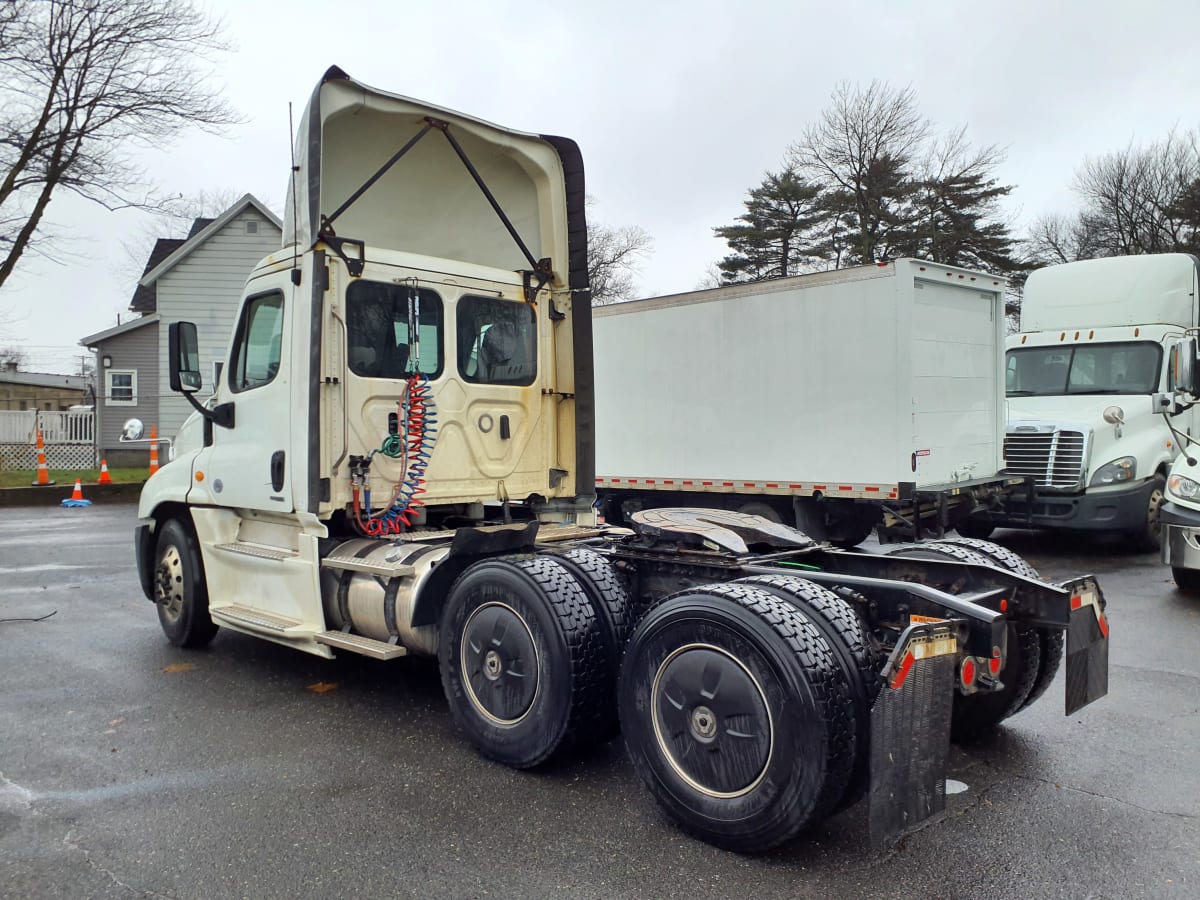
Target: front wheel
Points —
{"points": [[736, 716], [1148, 538], [1187, 580], [180, 592]]}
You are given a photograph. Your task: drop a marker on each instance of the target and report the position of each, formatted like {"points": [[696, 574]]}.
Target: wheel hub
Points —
{"points": [[169, 577], [499, 663], [711, 720]]}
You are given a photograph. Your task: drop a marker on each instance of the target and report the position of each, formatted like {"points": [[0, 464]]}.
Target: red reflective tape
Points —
{"points": [[1103, 624], [748, 484], [819, 487], [873, 490], [906, 665], [846, 487], [688, 483], [668, 481], [706, 483], [649, 481], [1076, 602], [795, 487], [726, 484], [772, 486]]}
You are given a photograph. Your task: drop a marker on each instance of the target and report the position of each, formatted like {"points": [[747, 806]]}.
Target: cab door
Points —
{"points": [[246, 466]]}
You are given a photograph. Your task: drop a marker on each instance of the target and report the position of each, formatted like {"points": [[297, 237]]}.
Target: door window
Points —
{"points": [[259, 345]]}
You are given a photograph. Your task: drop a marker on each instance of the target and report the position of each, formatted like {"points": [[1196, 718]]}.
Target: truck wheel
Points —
{"points": [[609, 596], [1187, 580], [1149, 537], [843, 631], [978, 530], [975, 715], [736, 716], [180, 592], [522, 659], [1050, 640]]}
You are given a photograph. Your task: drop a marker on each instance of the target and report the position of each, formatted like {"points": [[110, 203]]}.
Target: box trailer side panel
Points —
{"points": [[773, 385]]}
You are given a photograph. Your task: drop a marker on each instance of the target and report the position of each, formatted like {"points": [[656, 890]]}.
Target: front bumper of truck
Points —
{"points": [[1181, 536], [1103, 509]]}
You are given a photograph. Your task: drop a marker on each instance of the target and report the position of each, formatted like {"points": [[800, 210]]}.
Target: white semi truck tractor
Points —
{"points": [[1091, 404], [398, 459]]}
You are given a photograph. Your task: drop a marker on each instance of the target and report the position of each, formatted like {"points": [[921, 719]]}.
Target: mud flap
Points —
{"points": [[1087, 648], [910, 731]]}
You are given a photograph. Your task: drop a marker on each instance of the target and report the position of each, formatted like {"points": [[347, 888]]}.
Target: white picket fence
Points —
{"points": [[69, 436]]}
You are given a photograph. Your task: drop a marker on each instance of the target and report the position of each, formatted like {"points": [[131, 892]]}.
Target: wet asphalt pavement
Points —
{"points": [[129, 768]]}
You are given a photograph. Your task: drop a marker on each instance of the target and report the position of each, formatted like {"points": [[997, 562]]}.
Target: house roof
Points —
{"points": [[42, 379], [196, 238], [145, 299], [101, 336]]}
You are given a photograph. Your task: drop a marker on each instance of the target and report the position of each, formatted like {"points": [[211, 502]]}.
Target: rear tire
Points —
{"points": [[1050, 640], [976, 715], [976, 530], [838, 623], [180, 591], [736, 716], [609, 596], [522, 660]]}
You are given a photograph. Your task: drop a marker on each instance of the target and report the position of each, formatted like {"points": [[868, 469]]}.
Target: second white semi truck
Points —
{"points": [[1088, 388]]}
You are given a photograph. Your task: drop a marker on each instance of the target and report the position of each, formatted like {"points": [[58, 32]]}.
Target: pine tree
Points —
{"points": [[778, 234]]}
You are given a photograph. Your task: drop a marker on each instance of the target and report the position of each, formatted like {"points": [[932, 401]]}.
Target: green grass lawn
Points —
{"points": [[10, 478]]}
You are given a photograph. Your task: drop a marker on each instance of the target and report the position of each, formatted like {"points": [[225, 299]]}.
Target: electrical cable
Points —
{"points": [[38, 619]]}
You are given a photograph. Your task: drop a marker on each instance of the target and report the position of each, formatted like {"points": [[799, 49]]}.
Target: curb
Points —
{"points": [[54, 495]]}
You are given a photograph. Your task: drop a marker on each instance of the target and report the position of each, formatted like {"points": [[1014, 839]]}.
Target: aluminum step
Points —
{"points": [[383, 570], [356, 643], [259, 551], [258, 620]]}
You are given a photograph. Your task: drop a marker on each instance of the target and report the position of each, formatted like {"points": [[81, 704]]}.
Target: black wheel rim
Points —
{"points": [[711, 720], [499, 663]]}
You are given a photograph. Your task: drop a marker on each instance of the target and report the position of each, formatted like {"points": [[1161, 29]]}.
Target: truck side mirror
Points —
{"points": [[184, 357]]}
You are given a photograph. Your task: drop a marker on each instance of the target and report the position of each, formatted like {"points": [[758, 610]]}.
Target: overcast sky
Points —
{"points": [[679, 107]]}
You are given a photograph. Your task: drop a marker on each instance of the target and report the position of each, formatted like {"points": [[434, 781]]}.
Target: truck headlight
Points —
{"points": [[1184, 488], [1115, 472]]}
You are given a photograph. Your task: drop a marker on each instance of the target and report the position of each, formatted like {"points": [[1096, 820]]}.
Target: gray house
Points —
{"points": [[199, 279]]}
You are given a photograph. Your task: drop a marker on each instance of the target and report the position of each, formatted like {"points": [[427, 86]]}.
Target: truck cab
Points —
{"points": [[1088, 384]]}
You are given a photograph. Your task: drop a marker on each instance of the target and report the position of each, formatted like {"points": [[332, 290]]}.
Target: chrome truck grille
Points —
{"points": [[1055, 458]]}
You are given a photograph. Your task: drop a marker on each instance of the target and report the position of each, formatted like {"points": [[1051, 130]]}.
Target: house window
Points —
{"points": [[120, 388], [251, 226]]}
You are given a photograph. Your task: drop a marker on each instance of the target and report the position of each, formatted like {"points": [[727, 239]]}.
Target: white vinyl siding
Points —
{"points": [[205, 288], [120, 387]]}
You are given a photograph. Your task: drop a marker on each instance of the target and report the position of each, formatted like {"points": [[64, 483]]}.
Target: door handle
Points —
{"points": [[277, 459]]}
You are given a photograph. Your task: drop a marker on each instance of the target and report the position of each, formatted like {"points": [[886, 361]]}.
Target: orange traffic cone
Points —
{"points": [[153, 449], [76, 498], [43, 473], [105, 478]]}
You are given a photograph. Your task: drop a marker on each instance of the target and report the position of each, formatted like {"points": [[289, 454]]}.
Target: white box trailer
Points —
{"points": [[827, 397]]}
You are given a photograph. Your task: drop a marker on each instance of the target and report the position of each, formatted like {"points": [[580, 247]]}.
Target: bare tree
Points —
{"points": [[12, 356], [862, 151], [614, 255], [82, 81], [174, 219], [1057, 239]]}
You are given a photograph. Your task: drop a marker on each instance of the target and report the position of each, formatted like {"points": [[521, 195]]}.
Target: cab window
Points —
{"points": [[393, 330], [497, 341], [259, 344]]}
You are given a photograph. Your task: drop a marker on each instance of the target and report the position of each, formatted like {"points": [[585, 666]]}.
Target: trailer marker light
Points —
{"points": [[1136, 332], [1091, 334], [199, 476], [967, 675], [1003, 604], [1024, 338]]}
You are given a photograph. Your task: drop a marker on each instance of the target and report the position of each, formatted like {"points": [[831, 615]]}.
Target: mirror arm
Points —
{"points": [[219, 415]]}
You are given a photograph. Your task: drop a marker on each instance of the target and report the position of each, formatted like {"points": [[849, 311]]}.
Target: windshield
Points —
{"points": [[1130, 368]]}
